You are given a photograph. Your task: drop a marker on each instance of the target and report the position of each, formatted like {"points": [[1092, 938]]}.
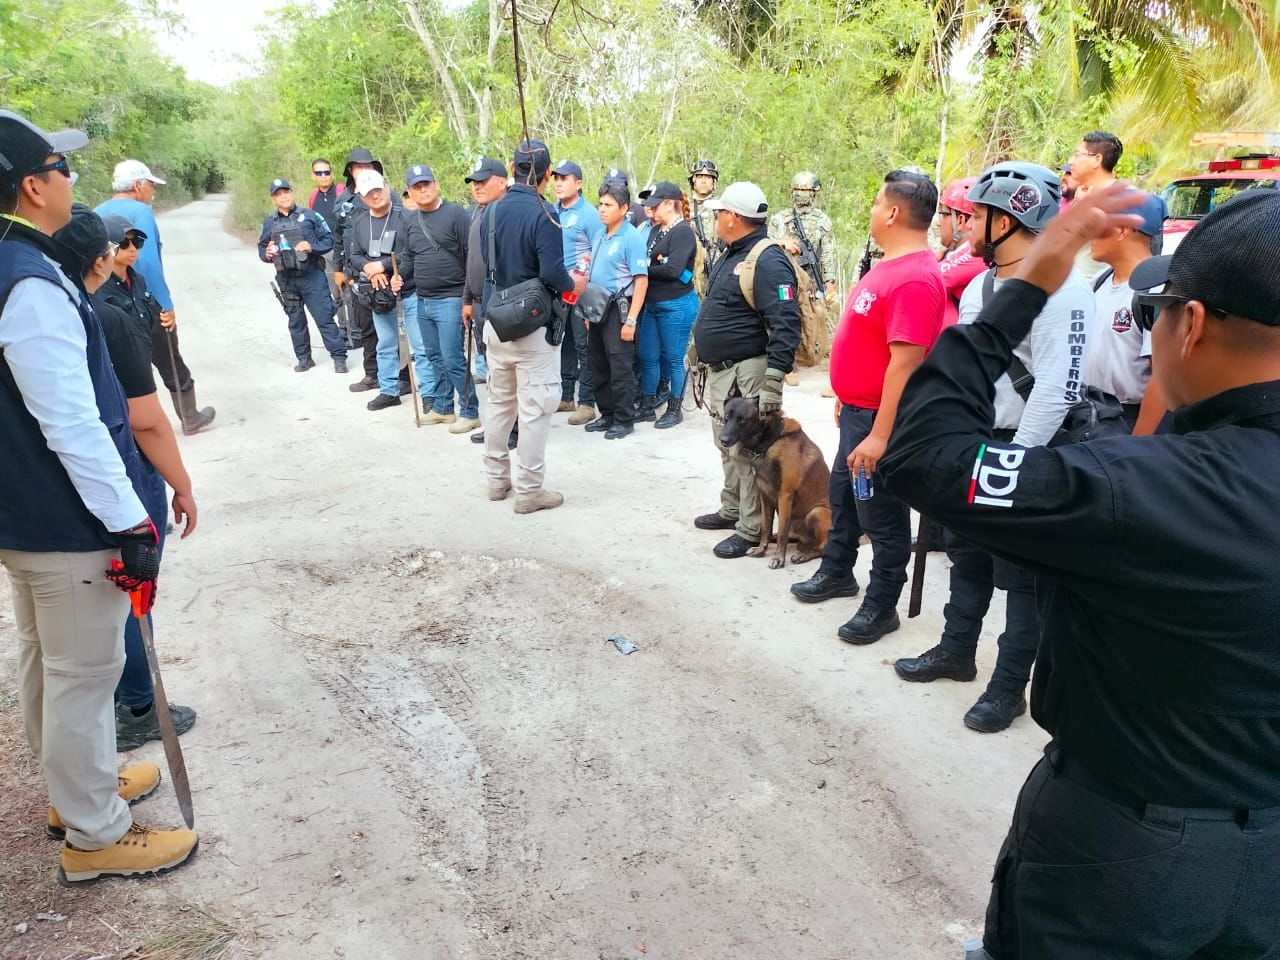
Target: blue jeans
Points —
{"points": [[421, 364], [134, 687], [664, 340], [388, 352], [445, 341]]}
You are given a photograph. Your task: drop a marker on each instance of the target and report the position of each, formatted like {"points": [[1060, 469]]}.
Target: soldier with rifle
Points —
{"points": [[806, 233], [703, 176]]}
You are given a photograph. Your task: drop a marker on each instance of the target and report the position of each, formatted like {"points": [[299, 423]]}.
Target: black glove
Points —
{"points": [[139, 565]]}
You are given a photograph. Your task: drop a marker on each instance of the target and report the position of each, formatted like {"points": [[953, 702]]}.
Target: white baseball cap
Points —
{"points": [[367, 180], [742, 198], [131, 171]]}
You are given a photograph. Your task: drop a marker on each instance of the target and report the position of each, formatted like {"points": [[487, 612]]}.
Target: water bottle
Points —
{"points": [[863, 487], [578, 271], [284, 244], [973, 949]]}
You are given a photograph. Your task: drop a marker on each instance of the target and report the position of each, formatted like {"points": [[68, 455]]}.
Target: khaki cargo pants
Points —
{"points": [[739, 500]]}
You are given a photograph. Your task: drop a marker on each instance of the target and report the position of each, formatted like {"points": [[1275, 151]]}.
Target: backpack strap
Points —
{"points": [[1023, 381], [747, 273], [311, 198], [1102, 278]]}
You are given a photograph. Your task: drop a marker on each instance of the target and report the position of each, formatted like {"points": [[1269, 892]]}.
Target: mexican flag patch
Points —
{"points": [[786, 292]]}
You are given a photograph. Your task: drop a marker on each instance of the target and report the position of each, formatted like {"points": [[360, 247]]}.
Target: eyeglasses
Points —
{"points": [[60, 165], [323, 173], [1148, 307], [1081, 153], [135, 242]]}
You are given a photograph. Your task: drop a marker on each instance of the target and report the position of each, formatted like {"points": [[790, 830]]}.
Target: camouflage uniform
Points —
{"points": [[817, 231], [703, 222]]}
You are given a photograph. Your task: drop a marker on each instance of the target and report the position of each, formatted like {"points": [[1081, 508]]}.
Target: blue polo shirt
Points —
{"points": [[580, 226], [619, 259]]}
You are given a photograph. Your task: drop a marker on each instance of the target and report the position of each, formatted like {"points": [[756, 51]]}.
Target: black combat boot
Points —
{"points": [[673, 415], [644, 409]]}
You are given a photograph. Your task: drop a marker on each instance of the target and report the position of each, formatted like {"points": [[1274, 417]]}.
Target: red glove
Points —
{"points": [[138, 567]]}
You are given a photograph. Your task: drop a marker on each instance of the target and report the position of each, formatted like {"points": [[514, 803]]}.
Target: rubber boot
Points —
{"points": [[673, 415], [644, 409], [193, 418]]}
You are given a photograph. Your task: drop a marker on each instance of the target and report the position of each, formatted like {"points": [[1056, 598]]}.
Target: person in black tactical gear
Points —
{"points": [[296, 241], [1151, 827], [360, 329]]}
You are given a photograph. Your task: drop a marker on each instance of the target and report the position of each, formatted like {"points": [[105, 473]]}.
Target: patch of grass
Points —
{"points": [[194, 934]]}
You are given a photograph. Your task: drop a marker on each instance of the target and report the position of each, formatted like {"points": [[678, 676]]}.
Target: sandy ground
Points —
{"points": [[414, 740]]}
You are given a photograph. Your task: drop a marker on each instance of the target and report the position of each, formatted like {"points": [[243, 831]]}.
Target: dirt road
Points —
{"points": [[415, 742]]}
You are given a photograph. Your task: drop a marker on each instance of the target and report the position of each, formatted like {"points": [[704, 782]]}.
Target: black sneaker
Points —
{"points": [[869, 624], [733, 547], [478, 437], [599, 424], [365, 383], [995, 710], [382, 401], [302, 366], [132, 732], [936, 664], [714, 521], [339, 365], [618, 431], [824, 586]]}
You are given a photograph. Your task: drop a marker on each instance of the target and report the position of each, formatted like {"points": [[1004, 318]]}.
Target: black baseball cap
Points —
{"points": [[664, 190], [532, 155], [119, 227], [24, 146], [567, 168], [486, 167], [279, 183], [419, 173], [1228, 261], [85, 234]]}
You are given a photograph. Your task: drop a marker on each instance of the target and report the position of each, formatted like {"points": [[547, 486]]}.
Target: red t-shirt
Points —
{"points": [[899, 301], [958, 268]]}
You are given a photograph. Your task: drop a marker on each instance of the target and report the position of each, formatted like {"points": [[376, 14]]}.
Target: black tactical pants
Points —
{"points": [[311, 290], [1084, 875], [362, 324], [611, 368]]}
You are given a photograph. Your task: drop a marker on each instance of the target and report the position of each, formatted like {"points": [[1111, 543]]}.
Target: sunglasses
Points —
{"points": [[135, 242], [1147, 308], [60, 165], [112, 249], [323, 173]]}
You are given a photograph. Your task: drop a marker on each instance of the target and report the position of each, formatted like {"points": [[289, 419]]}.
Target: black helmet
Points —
{"points": [[360, 155], [706, 167]]}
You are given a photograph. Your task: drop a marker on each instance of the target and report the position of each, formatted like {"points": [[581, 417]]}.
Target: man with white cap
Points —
{"points": [[748, 347], [72, 527], [135, 190]]}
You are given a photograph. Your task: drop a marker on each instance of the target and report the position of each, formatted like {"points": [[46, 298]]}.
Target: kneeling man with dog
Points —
{"points": [[890, 321]]}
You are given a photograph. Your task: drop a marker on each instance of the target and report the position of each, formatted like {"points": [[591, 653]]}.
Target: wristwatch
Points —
{"points": [[629, 322]]}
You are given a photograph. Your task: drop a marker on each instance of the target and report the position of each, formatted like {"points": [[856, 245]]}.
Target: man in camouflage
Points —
{"points": [[703, 177], [806, 233]]}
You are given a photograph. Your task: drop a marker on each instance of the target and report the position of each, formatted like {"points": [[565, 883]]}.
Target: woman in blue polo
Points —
{"points": [[620, 264]]}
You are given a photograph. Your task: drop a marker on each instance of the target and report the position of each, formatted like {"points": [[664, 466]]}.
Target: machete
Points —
{"points": [[172, 749], [917, 573]]}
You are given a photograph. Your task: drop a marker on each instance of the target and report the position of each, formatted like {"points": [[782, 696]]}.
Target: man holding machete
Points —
{"points": [[71, 524]]}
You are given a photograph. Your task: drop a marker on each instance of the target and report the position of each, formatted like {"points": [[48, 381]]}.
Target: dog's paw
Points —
{"points": [[802, 557], [778, 562], [757, 551]]}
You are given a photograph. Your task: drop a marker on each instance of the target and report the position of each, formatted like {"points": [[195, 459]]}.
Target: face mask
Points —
{"points": [[801, 198]]}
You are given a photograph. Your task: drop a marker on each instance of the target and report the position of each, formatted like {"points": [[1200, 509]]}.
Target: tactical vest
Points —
{"points": [[40, 509]]}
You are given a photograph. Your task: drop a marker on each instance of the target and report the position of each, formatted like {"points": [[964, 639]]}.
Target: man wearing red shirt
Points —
{"points": [[957, 263], [891, 319]]}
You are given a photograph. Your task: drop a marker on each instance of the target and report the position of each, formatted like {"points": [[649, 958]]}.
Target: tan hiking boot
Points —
{"points": [[464, 425], [584, 414], [542, 500], [136, 783], [566, 406], [138, 853], [499, 491], [432, 417]]}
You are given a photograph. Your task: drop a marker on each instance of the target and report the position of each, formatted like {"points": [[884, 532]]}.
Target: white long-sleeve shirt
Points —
{"points": [[44, 344], [1053, 352]]}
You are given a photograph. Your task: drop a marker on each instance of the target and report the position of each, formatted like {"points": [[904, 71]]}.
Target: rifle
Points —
{"points": [[917, 573], [707, 247], [808, 257], [864, 264]]}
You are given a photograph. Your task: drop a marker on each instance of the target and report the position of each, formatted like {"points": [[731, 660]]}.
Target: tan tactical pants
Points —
{"points": [[70, 622], [524, 384], [739, 500]]}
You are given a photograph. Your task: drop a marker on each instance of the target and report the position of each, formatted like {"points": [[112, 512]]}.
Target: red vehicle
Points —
{"points": [[1190, 198]]}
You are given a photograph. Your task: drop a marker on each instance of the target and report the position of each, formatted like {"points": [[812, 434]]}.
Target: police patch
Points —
{"points": [[995, 476]]}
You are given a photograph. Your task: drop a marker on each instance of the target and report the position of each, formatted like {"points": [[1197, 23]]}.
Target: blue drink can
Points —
{"points": [[863, 486]]}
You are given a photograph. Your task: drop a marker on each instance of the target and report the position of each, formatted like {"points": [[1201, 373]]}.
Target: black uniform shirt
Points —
{"points": [[1158, 562], [387, 234], [325, 202], [727, 329], [123, 311], [527, 242], [312, 227], [348, 205]]}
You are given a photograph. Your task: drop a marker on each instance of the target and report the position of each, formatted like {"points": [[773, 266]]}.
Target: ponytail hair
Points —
{"points": [[685, 210]]}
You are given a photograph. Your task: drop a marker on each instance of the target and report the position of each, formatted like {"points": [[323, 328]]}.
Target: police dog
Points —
{"points": [[791, 476]]}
